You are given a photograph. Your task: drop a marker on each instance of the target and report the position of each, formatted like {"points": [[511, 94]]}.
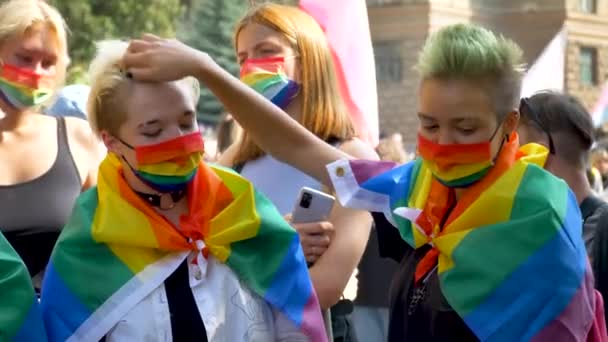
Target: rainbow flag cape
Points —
{"points": [[511, 258], [116, 249], [346, 27], [20, 318]]}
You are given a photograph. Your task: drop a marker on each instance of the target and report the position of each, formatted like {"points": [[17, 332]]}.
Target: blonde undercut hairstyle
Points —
{"points": [[111, 86], [18, 17], [473, 53]]}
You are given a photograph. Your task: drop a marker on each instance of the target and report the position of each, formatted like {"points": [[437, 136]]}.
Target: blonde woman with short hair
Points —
{"points": [[166, 247]]}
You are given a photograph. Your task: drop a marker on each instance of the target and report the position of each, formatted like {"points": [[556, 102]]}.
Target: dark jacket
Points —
{"points": [[432, 319], [595, 234]]}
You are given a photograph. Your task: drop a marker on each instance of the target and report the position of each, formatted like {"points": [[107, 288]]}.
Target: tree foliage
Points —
{"points": [[207, 25], [93, 20]]}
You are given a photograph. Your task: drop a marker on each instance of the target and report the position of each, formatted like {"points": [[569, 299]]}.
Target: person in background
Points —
{"points": [[595, 179], [562, 124], [599, 160], [371, 312], [70, 101], [166, 247], [470, 220], [285, 57], [46, 161], [228, 132], [391, 148]]}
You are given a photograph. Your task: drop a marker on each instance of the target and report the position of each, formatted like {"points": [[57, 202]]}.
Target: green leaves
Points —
{"points": [[93, 20], [209, 26]]}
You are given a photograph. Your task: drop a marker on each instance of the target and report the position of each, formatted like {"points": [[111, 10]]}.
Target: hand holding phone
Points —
{"points": [[312, 206], [310, 215]]}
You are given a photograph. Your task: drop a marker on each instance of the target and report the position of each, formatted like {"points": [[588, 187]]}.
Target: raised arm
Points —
{"points": [[155, 59]]}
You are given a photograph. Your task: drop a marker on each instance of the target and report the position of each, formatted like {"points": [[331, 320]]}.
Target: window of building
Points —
{"points": [[381, 2], [588, 66], [588, 6], [389, 61]]}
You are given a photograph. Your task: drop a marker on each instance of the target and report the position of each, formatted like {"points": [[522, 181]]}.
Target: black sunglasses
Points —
{"points": [[532, 115]]}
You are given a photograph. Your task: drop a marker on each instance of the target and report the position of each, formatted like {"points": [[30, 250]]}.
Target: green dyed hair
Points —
{"points": [[470, 52]]}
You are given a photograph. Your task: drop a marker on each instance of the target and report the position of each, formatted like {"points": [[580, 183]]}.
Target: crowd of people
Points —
{"points": [[117, 226]]}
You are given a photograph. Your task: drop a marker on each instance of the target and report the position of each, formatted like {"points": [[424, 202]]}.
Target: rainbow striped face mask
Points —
{"points": [[457, 165], [170, 165], [267, 77], [23, 88]]}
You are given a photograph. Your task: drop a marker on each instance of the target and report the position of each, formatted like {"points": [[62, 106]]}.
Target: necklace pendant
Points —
{"points": [[166, 202]]}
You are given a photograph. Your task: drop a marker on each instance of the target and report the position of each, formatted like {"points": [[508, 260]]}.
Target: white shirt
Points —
{"points": [[230, 311], [278, 181], [281, 183]]}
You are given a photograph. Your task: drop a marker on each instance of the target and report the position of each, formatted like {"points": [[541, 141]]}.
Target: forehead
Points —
{"points": [[156, 100], [38, 39], [454, 99], [254, 34]]}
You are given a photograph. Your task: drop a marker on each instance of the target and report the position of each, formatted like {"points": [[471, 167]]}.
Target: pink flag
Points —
{"points": [[600, 110], [347, 30]]}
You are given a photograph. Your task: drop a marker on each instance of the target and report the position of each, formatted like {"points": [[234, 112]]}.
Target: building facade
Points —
{"points": [[400, 27]]}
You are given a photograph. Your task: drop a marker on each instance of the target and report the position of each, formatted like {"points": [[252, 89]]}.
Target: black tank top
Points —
{"points": [[33, 213]]}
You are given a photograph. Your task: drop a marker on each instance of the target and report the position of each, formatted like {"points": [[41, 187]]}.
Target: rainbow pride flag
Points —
{"points": [[116, 249], [511, 259], [600, 110], [20, 318]]}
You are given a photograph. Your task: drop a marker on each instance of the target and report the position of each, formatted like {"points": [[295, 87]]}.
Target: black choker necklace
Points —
{"points": [[164, 201]]}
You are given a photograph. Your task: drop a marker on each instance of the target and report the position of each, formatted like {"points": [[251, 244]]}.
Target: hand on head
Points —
{"points": [[155, 59]]}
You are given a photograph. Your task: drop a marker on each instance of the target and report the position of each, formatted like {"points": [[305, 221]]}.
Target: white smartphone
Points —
{"points": [[312, 206]]}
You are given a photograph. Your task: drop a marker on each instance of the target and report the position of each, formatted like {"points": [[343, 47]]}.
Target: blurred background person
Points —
{"points": [[599, 161], [562, 124], [227, 133]]}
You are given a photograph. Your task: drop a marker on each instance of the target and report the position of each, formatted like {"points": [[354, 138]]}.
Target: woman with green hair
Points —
{"points": [[489, 243]]}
